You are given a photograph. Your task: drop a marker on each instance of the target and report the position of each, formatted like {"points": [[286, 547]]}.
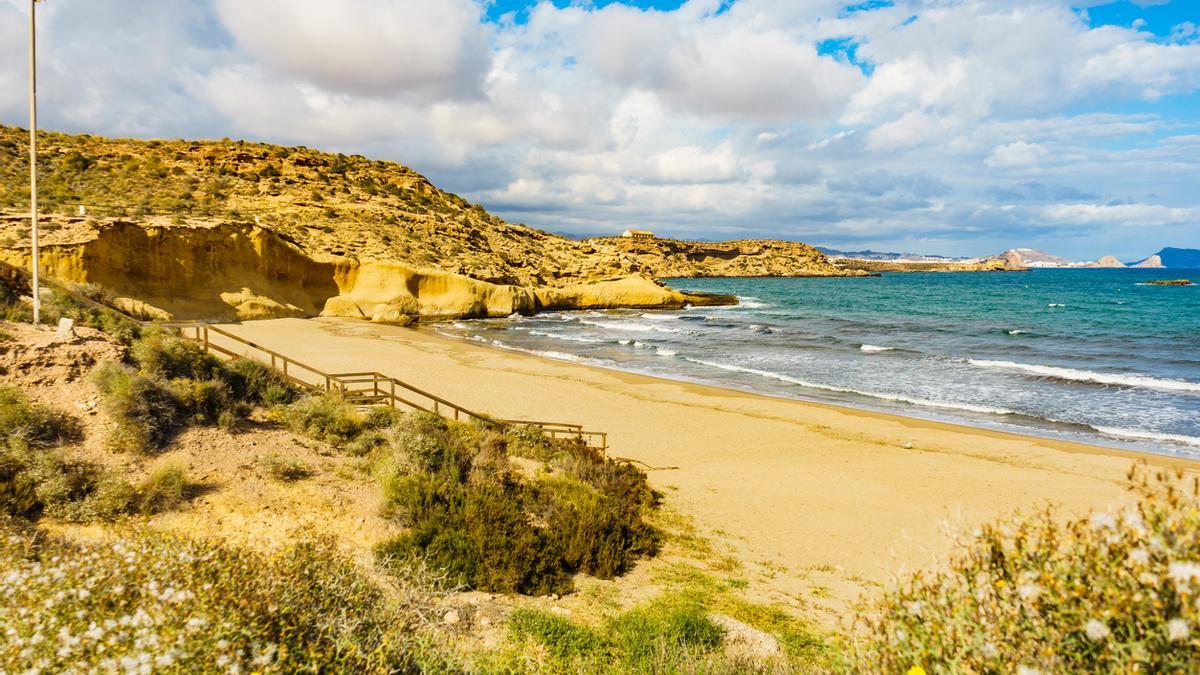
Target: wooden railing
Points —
{"points": [[369, 388]]}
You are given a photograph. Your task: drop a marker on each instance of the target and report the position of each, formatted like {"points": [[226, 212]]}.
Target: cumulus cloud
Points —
{"points": [[389, 48], [953, 122], [1016, 154]]}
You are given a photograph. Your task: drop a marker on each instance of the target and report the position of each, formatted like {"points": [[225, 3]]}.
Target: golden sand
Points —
{"points": [[791, 485]]}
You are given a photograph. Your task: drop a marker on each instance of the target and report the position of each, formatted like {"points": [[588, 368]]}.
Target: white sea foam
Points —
{"points": [[550, 354], [843, 390], [568, 338], [1017, 331], [660, 317], [1056, 304], [1137, 434], [750, 302], [1144, 381], [631, 326], [666, 352], [871, 349]]}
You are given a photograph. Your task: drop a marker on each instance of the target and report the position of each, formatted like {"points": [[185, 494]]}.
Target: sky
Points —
{"points": [[952, 127]]}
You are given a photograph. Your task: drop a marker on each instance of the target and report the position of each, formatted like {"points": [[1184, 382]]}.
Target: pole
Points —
{"points": [[33, 205]]}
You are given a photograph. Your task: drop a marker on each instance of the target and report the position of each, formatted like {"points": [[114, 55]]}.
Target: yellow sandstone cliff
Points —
{"points": [[229, 229]]}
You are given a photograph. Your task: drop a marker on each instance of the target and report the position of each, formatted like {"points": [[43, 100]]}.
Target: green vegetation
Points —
{"points": [[470, 512], [1108, 593], [175, 383], [285, 470], [36, 479], [152, 602]]}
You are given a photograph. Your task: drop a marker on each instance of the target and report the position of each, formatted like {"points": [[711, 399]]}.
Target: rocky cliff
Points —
{"points": [[666, 258], [224, 229]]}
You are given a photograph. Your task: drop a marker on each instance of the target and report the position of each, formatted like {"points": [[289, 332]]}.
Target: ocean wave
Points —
{"points": [[660, 317], [897, 398], [665, 352], [568, 338], [872, 349], [751, 302], [1056, 304], [1071, 374], [1136, 434], [631, 326], [1016, 331], [550, 354]]}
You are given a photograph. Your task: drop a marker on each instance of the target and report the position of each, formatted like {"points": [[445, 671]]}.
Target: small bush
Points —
{"points": [[562, 638], [154, 602], [285, 470], [36, 482], [165, 489], [167, 357], [327, 418], [254, 383], [469, 513], [1106, 593], [147, 413], [31, 425]]}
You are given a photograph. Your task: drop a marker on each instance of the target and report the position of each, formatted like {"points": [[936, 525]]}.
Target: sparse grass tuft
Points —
{"points": [[285, 470], [31, 425], [146, 412], [163, 490], [326, 418]]}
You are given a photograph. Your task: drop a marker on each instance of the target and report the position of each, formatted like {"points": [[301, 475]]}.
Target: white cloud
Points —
{"points": [[713, 119], [369, 47], [1121, 214], [1016, 154]]}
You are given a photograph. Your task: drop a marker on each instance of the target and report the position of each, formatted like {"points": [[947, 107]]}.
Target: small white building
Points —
{"points": [[637, 234]]}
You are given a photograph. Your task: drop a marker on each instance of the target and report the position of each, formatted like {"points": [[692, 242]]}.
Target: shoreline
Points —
{"points": [[1066, 445], [798, 490], [1041, 428]]}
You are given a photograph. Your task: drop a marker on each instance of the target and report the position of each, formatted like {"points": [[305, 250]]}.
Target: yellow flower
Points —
{"points": [[915, 670]]}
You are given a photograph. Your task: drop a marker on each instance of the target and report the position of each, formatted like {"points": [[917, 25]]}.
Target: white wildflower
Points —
{"points": [[1102, 521], [1029, 591], [1183, 573], [914, 608], [1096, 630], [1177, 629], [1026, 670], [1139, 556], [989, 651], [1147, 579]]}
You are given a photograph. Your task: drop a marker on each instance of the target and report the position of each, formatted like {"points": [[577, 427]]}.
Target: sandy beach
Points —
{"points": [[786, 484]]}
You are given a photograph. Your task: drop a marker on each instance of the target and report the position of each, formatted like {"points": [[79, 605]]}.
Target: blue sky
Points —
{"points": [[960, 127]]}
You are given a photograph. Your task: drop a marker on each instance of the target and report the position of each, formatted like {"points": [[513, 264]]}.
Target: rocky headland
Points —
{"points": [[238, 230]]}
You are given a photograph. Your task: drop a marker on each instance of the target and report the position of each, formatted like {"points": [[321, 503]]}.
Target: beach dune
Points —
{"points": [[794, 485]]}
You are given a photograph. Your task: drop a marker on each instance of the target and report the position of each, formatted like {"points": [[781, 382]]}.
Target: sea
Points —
{"points": [[1091, 355]]}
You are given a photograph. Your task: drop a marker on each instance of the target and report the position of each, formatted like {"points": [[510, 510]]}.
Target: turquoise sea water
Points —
{"points": [[1092, 355]]}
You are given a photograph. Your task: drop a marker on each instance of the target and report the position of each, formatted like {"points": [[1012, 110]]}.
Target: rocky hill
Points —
{"points": [[225, 229], [667, 258], [1170, 257]]}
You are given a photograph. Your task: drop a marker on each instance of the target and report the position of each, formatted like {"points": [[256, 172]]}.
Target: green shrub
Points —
{"points": [[147, 414], [25, 423], [35, 482], [154, 602], [163, 490], [324, 417], [285, 470], [1113, 592], [469, 513], [254, 383], [168, 357]]}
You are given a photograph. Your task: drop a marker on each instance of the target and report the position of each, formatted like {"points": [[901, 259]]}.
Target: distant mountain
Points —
{"points": [[1173, 258], [887, 256], [1107, 261]]}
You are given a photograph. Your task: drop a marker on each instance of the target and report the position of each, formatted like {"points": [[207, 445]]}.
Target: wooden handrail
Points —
{"points": [[381, 387]]}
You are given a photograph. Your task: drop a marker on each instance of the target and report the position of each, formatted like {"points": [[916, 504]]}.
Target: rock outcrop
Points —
{"points": [[1153, 261], [235, 271], [1108, 261], [229, 229]]}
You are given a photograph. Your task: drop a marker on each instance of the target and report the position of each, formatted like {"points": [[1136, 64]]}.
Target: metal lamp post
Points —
{"points": [[33, 204]]}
